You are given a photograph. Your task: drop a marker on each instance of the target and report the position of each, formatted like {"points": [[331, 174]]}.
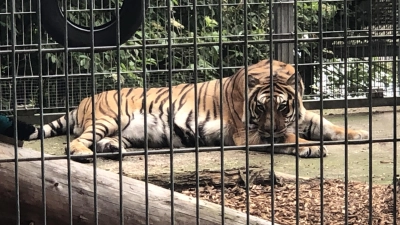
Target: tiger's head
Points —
{"points": [[280, 106]]}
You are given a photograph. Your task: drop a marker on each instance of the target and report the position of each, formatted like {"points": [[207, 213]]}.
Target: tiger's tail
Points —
{"points": [[55, 128]]}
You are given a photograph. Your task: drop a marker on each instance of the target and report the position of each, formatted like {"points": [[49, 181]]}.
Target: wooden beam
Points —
{"points": [[10, 141], [82, 193]]}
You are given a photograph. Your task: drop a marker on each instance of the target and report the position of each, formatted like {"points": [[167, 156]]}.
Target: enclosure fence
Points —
{"points": [[54, 54]]}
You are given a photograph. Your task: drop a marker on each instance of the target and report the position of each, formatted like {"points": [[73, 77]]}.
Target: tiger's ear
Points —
{"points": [[252, 81], [292, 82]]}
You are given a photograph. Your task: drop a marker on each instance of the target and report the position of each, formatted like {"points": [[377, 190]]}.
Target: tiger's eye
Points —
{"points": [[282, 107]]}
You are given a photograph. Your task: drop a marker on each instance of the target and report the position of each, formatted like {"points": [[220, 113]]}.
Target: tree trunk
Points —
{"points": [[82, 193]]}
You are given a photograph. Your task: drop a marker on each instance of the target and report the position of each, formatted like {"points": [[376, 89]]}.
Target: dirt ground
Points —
{"points": [[333, 164], [309, 202]]}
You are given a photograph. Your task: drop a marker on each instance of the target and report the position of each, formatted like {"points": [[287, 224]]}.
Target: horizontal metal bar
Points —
{"points": [[203, 149], [189, 44], [55, 76]]}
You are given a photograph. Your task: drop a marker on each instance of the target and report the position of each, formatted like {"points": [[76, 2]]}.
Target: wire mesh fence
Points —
{"points": [[182, 30], [345, 53]]}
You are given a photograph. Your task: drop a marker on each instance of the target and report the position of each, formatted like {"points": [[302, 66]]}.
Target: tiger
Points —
{"points": [[181, 115]]}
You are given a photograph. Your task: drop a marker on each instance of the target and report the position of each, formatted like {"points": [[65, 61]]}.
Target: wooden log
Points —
{"points": [[82, 193], [232, 177], [10, 141]]}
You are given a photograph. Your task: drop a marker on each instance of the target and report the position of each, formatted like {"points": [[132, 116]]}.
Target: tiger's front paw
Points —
{"points": [[77, 148], [312, 151], [358, 134]]}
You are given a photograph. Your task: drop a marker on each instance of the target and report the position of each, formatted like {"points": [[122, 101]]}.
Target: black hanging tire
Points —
{"points": [[53, 21]]}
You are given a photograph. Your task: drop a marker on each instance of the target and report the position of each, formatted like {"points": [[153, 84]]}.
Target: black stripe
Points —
{"points": [[182, 102], [199, 96], [310, 127], [142, 108], [202, 134], [164, 136], [54, 129], [100, 124], [53, 133], [189, 119], [159, 90], [109, 110], [159, 96], [129, 142], [89, 140], [229, 83], [151, 107], [232, 97], [100, 135], [184, 87], [160, 108], [184, 98], [129, 92], [142, 95], [190, 133], [116, 120], [181, 134], [205, 96], [40, 133], [126, 114], [216, 99], [215, 106]]}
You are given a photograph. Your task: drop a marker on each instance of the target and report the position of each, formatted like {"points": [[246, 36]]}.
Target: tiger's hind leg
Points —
{"points": [[111, 144], [310, 129], [312, 151]]}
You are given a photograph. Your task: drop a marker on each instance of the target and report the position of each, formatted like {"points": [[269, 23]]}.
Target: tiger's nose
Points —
{"points": [[278, 127]]}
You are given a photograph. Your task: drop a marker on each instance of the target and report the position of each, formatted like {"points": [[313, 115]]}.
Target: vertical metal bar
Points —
{"points": [[67, 108], [171, 111], [39, 40], [196, 112], [394, 72], [14, 91], [272, 105], [321, 112], [92, 69], [296, 67], [246, 99], [146, 137], [370, 110], [221, 111], [346, 146], [398, 47], [121, 191]]}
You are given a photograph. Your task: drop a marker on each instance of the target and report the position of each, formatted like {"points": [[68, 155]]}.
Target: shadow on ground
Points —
{"points": [[382, 154]]}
